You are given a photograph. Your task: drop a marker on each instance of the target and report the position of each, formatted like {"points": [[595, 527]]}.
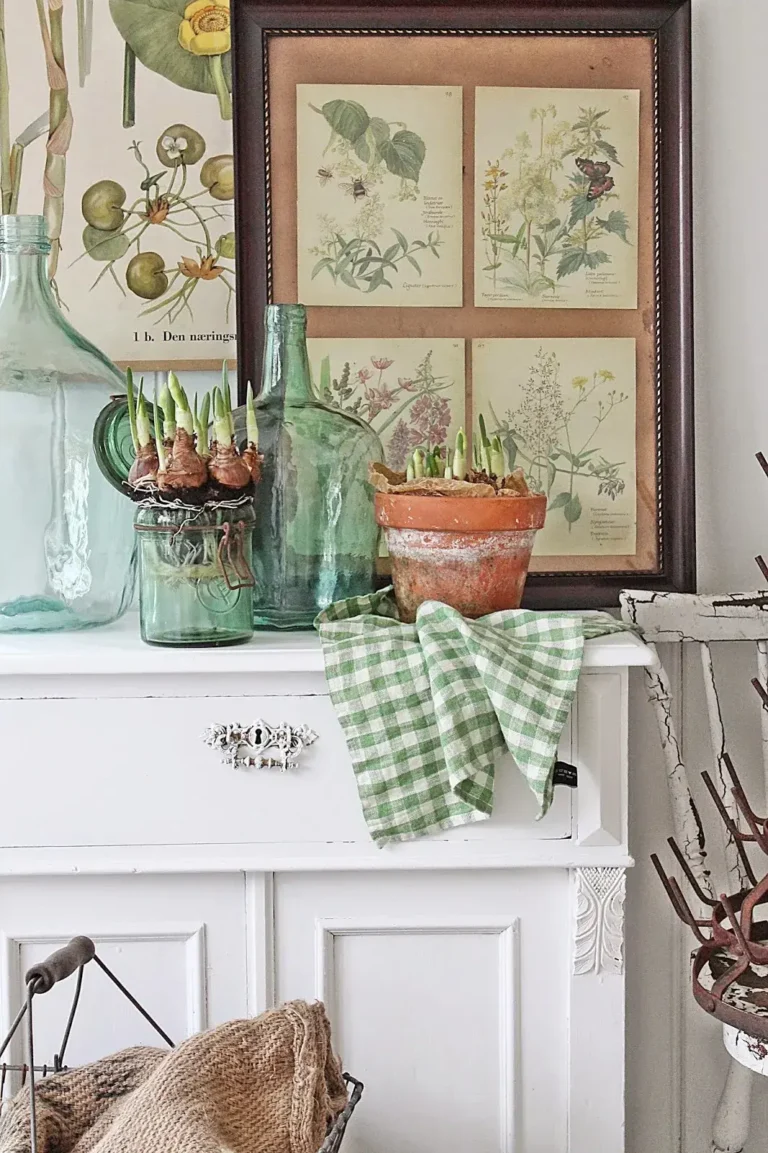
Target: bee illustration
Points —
{"points": [[324, 175], [357, 189]]}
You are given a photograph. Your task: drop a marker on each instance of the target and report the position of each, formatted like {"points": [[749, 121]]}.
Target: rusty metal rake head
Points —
{"points": [[730, 968]]}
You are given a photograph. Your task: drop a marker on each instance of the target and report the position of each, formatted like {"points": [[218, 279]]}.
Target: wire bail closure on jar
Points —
{"points": [[230, 552]]}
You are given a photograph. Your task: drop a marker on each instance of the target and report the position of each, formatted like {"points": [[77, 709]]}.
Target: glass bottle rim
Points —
{"points": [[24, 234], [280, 315]]}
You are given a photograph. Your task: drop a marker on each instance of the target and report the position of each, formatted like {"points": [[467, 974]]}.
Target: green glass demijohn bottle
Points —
{"points": [[68, 549], [315, 539]]}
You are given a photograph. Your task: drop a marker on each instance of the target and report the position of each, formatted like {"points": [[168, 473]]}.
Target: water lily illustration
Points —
{"points": [[187, 43], [143, 227], [205, 31], [204, 269]]}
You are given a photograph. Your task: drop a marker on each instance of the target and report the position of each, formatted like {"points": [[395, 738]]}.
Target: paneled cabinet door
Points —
{"points": [[177, 943], [448, 995]]}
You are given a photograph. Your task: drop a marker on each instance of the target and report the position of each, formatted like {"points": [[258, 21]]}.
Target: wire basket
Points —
{"points": [[71, 960]]}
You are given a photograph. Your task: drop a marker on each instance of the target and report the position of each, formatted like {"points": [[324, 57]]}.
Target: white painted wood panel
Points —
{"points": [[177, 943], [124, 772], [449, 996]]}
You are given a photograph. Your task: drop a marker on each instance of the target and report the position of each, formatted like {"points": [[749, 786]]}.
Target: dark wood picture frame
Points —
{"points": [[667, 24]]}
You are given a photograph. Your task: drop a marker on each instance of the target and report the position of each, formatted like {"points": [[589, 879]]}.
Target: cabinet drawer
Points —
{"points": [[86, 772]]}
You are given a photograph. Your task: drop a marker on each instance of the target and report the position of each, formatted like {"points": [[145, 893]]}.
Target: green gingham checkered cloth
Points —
{"points": [[428, 708]]}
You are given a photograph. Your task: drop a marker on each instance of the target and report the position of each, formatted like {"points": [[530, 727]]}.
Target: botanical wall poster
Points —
{"points": [[411, 391], [143, 167], [556, 172], [565, 409], [379, 194]]}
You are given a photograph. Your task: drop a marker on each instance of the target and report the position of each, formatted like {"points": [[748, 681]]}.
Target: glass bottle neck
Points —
{"points": [[24, 284], [286, 363]]}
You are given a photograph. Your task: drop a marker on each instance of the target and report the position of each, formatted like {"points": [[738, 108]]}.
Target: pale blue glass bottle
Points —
{"points": [[68, 547]]}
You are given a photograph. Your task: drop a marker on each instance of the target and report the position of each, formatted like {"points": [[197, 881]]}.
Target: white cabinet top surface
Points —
{"points": [[118, 649]]}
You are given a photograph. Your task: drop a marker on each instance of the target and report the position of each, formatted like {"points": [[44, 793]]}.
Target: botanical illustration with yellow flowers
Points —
{"points": [[134, 110], [557, 197], [410, 391], [565, 412]]}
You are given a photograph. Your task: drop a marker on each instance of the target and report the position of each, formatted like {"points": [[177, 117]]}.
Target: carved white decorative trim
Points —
{"points": [[285, 741], [507, 933], [599, 930]]}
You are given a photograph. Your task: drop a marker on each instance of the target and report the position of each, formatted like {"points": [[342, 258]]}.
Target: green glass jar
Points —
{"points": [[68, 542], [195, 579], [316, 538]]}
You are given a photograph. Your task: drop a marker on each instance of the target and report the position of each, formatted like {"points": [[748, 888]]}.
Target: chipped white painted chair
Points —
{"points": [[703, 620]]}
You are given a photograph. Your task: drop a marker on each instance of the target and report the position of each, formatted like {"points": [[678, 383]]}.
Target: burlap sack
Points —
{"points": [[266, 1085]]}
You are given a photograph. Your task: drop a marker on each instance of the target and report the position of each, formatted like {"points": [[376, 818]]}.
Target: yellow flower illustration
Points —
{"points": [[580, 382], [205, 29], [604, 374]]}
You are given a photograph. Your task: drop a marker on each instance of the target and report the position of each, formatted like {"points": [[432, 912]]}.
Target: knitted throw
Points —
{"points": [[266, 1085]]}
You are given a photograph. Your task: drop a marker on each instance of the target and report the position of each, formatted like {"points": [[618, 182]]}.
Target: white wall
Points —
{"points": [[676, 1063]]}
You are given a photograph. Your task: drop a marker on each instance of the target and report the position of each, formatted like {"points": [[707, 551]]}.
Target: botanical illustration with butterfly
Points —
{"points": [[558, 202]]}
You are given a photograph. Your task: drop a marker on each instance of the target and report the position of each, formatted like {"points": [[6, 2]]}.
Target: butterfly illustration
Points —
{"points": [[596, 172]]}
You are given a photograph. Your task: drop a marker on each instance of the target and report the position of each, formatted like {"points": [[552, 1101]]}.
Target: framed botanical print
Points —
{"points": [[486, 209]]}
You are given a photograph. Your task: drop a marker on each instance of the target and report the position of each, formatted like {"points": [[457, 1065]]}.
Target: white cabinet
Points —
{"points": [[474, 979], [449, 997]]}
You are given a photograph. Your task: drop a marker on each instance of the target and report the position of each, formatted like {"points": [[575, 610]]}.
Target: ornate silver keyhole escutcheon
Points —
{"points": [[259, 745]]}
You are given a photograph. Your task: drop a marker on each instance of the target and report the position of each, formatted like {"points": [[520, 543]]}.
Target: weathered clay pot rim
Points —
{"points": [[460, 514]]}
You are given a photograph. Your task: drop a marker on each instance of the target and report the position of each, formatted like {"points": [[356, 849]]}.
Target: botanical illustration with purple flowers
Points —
{"points": [[564, 410], [410, 391]]}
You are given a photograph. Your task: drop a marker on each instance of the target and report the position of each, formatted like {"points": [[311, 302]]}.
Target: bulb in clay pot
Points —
{"points": [[226, 466], [144, 469], [184, 469]]}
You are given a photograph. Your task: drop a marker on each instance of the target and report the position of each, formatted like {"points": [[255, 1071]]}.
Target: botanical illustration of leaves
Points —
{"points": [[151, 29], [571, 261], [401, 240], [580, 208], [617, 222], [608, 150], [593, 259], [573, 509], [403, 154], [346, 117], [326, 262], [560, 501], [367, 145], [551, 473]]}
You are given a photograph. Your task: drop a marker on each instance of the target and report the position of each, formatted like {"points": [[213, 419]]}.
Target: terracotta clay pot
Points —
{"points": [[471, 553]]}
